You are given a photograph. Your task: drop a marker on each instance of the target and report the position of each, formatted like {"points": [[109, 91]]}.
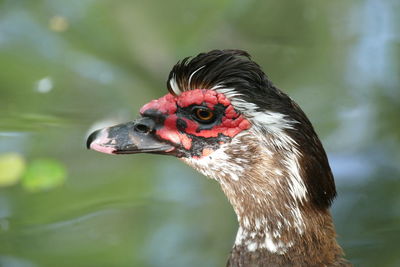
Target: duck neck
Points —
{"points": [[282, 236], [280, 224]]}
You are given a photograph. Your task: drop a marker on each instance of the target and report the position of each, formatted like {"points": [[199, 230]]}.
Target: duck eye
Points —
{"points": [[203, 114]]}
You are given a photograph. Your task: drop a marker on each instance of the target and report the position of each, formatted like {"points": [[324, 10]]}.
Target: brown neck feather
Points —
{"points": [[279, 225], [280, 239]]}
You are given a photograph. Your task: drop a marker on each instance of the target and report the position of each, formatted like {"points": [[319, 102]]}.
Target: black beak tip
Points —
{"points": [[91, 138]]}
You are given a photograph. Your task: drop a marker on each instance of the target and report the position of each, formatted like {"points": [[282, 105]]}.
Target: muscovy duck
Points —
{"points": [[225, 118]]}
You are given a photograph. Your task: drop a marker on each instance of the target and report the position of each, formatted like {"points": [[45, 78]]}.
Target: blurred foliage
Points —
{"points": [[38, 175], [12, 166], [43, 174], [67, 66]]}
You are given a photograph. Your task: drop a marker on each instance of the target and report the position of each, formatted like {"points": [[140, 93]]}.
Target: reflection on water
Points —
{"points": [[68, 64], [352, 168], [44, 85], [370, 61]]}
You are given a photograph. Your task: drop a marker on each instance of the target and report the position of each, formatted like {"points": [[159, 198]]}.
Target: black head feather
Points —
{"points": [[228, 68], [236, 70]]}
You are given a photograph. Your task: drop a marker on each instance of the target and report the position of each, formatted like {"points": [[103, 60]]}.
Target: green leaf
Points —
{"points": [[44, 174], [12, 165]]}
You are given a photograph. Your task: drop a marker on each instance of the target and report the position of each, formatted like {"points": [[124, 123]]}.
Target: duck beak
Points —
{"points": [[129, 138]]}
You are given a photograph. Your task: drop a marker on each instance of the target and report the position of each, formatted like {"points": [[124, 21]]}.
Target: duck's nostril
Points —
{"points": [[144, 125], [142, 128]]}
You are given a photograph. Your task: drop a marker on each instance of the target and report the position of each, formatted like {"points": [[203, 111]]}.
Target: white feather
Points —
{"points": [[174, 85], [191, 75]]}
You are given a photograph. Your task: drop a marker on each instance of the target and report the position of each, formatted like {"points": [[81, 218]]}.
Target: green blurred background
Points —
{"points": [[67, 67]]}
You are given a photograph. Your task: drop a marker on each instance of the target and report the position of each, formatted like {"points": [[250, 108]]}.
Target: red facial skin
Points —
{"points": [[231, 124]]}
